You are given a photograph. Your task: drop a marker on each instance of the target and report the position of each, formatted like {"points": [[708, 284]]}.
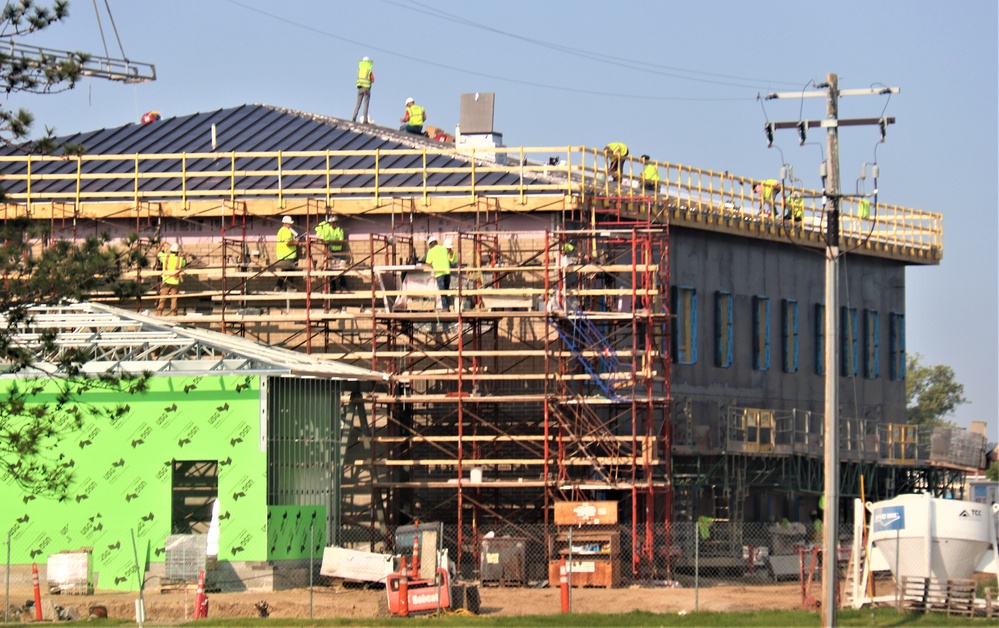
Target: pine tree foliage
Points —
{"points": [[39, 73], [36, 269]]}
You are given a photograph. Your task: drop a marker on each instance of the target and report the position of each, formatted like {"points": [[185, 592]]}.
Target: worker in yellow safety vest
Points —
{"points": [[865, 208], [796, 208], [414, 118], [438, 259], [768, 191], [286, 251], [817, 527], [171, 264], [365, 77], [650, 174], [333, 236], [615, 153]]}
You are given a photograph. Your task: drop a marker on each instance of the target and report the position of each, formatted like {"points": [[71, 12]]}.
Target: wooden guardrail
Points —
{"points": [[374, 177]]}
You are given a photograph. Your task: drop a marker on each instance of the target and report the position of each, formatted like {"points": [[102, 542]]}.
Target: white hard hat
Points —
{"points": [[287, 220], [409, 100], [431, 239], [365, 59], [448, 243], [174, 247]]}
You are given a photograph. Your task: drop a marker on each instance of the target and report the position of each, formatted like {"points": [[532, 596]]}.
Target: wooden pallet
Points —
{"points": [[951, 596], [991, 603]]}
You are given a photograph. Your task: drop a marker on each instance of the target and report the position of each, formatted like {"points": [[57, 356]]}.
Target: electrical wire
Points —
{"points": [[852, 338], [579, 52], [873, 218], [426, 62]]}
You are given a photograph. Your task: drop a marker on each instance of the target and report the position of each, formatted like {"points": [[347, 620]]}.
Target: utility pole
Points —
{"points": [[832, 197]]}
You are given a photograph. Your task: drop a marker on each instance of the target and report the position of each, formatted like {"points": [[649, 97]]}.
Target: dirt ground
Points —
{"points": [[337, 600]]}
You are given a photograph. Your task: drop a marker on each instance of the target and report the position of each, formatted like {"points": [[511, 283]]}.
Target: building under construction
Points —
{"points": [[656, 344]]}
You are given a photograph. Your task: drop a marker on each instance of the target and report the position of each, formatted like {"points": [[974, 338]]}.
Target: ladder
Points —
{"points": [[579, 334]]}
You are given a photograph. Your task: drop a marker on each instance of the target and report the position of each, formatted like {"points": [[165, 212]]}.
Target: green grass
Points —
{"points": [[879, 617]]}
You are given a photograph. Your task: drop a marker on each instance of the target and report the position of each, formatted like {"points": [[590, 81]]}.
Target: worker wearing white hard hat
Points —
{"points": [[171, 264], [365, 78], [437, 259], [286, 251], [452, 257], [413, 119]]}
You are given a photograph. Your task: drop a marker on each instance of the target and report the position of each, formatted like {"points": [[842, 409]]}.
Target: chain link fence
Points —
{"points": [[689, 553]]}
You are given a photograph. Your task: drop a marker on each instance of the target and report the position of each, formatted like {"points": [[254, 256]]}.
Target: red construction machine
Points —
{"points": [[423, 583]]}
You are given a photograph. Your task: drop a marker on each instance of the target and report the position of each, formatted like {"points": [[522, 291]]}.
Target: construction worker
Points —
{"points": [[286, 252], [865, 208], [414, 118], [768, 191], [171, 263], [452, 257], [365, 77], [650, 174], [616, 152], [438, 259], [817, 527], [796, 208], [333, 236]]}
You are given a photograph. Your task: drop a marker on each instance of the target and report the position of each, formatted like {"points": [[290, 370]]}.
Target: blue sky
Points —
{"points": [[677, 80]]}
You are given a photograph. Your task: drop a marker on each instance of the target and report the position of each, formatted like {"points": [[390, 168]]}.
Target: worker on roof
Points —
{"points": [[650, 174], [615, 152], [768, 191], [365, 77], [171, 263], [437, 260], [414, 118], [286, 251], [150, 116], [796, 207], [333, 236]]}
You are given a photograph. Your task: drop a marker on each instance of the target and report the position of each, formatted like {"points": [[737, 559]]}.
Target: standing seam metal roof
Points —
{"points": [[247, 128]]}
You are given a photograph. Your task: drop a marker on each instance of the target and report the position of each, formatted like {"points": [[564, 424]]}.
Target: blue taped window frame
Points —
{"points": [[723, 329], [789, 335], [848, 361], [820, 339], [684, 334], [872, 344], [761, 333], [896, 346]]}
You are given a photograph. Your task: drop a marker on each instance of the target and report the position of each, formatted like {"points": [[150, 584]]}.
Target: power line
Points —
{"points": [[655, 68], [425, 62]]}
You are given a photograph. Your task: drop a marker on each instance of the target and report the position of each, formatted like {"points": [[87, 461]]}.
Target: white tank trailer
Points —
{"points": [[924, 536]]}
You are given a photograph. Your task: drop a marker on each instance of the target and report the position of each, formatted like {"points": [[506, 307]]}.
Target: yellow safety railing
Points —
{"points": [[577, 172]]}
